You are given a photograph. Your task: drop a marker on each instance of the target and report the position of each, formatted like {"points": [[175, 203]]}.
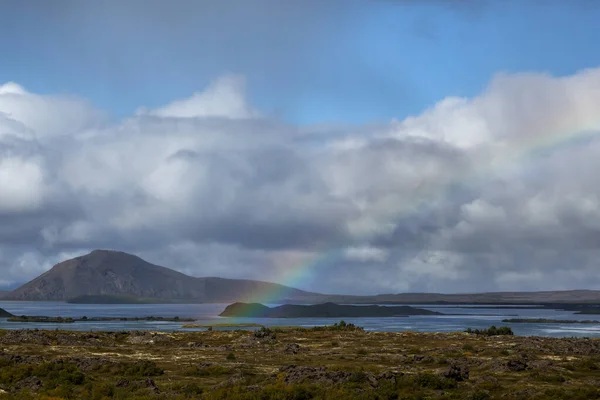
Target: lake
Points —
{"points": [[471, 317]]}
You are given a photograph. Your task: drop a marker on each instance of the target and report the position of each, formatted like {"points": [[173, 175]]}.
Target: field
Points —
{"points": [[337, 362]]}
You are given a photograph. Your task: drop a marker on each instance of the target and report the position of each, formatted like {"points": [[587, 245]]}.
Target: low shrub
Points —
{"points": [[142, 368], [492, 331], [210, 370]]}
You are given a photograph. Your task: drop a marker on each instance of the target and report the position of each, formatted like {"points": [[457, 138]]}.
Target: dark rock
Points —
{"points": [[26, 336], [388, 376], [425, 359], [292, 348], [32, 383], [86, 364], [231, 381], [19, 359], [322, 376], [122, 383], [516, 365], [264, 333], [152, 386], [457, 371], [317, 375]]}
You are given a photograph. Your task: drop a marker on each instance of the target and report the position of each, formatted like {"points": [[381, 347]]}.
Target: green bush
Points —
{"points": [[264, 333], [431, 381], [492, 331], [338, 326], [230, 356], [480, 395], [192, 389], [142, 368], [211, 370]]}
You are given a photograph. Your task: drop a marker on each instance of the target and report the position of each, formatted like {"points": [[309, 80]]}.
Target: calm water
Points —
{"points": [[479, 317]]}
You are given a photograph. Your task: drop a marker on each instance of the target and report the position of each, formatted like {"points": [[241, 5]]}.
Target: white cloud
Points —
{"points": [[471, 193], [224, 98], [21, 185], [47, 116], [366, 254]]}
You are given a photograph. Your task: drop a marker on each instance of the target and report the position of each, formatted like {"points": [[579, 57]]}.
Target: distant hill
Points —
{"points": [[114, 273], [326, 310], [542, 297]]}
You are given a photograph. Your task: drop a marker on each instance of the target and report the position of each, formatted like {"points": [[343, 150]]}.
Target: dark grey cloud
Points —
{"points": [[450, 200]]}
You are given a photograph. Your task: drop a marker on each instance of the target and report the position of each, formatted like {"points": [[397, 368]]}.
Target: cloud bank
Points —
{"points": [[495, 192]]}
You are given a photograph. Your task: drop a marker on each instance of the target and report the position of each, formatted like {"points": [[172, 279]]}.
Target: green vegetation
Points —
{"points": [[492, 331], [224, 325], [264, 333], [295, 363], [208, 370], [68, 320], [338, 326]]}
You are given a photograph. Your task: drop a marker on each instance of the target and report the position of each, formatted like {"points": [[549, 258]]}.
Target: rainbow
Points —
{"points": [[509, 154]]}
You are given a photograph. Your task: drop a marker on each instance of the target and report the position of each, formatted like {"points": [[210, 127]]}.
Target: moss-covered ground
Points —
{"points": [[325, 363]]}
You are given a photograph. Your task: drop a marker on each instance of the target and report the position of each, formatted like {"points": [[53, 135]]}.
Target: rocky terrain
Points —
{"points": [[325, 310], [336, 362]]}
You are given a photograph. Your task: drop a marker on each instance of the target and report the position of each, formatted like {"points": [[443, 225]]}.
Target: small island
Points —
{"points": [[325, 310], [549, 321]]}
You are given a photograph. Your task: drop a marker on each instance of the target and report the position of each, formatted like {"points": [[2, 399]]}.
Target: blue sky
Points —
{"points": [[306, 62]]}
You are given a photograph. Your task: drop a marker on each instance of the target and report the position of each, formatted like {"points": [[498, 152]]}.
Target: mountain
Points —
{"points": [[114, 273], [325, 310]]}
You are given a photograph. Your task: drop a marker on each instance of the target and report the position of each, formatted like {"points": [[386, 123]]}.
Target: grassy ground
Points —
{"points": [[325, 363]]}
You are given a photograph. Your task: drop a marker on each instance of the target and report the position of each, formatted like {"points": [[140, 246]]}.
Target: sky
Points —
{"points": [[356, 146]]}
